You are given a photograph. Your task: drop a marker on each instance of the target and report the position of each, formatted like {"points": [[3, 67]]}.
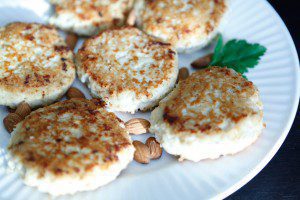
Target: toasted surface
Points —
{"points": [[214, 106], [127, 68], [35, 64], [209, 98], [188, 25], [74, 141], [86, 17]]}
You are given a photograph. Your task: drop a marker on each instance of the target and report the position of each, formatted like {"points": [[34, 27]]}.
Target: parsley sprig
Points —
{"points": [[237, 54]]}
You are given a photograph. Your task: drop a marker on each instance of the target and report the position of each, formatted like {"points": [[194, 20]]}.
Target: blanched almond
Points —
{"points": [[202, 62], [142, 152], [10, 121], [74, 93], [183, 73], [23, 109], [137, 126], [155, 149], [71, 40]]}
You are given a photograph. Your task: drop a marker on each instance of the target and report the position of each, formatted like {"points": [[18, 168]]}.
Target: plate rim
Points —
{"points": [[293, 110], [272, 152]]}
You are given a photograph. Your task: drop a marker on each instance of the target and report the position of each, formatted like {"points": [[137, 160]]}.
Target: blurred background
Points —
{"points": [[280, 179]]}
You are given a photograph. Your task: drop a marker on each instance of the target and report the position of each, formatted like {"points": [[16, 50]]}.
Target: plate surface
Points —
{"points": [[277, 78]]}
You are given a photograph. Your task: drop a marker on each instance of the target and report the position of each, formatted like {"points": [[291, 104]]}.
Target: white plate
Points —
{"points": [[277, 77]]}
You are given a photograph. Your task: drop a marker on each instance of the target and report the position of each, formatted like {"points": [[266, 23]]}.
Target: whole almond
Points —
{"points": [[131, 18], [155, 149], [202, 62], [137, 126], [183, 73], [71, 40], [142, 152], [74, 93], [23, 109], [10, 121]]}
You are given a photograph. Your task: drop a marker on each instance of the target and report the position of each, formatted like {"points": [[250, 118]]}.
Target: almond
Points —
{"points": [[155, 149], [10, 121], [98, 102], [74, 93], [202, 62], [23, 109], [131, 18], [142, 152], [71, 40], [137, 126], [183, 73]]}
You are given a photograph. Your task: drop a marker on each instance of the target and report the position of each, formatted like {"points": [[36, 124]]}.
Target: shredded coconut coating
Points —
{"points": [[127, 60], [210, 101], [91, 15], [35, 61], [69, 138], [184, 23]]}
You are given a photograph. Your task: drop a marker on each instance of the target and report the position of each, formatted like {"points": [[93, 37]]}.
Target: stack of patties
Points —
{"points": [[188, 25], [70, 146], [214, 112], [35, 65], [128, 69], [86, 17]]}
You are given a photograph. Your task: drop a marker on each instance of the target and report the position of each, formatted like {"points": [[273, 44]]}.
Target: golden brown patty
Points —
{"points": [[129, 69], [188, 25], [69, 138], [213, 112], [210, 97], [86, 17], [35, 64]]}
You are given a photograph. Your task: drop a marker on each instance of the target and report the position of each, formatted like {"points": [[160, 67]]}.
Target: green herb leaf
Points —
{"points": [[237, 54]]}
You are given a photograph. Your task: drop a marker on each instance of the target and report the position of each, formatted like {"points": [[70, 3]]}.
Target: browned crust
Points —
{"points": [[95, 10], [154, 18], [34, 75], [41, 142], [203, 101], [127, 77]]}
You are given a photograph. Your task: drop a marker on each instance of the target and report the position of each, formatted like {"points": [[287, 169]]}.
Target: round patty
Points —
{"points": [[89, 17], [214, 112], [188, 25], [128, 69], [70, 146], [35, 65]]}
